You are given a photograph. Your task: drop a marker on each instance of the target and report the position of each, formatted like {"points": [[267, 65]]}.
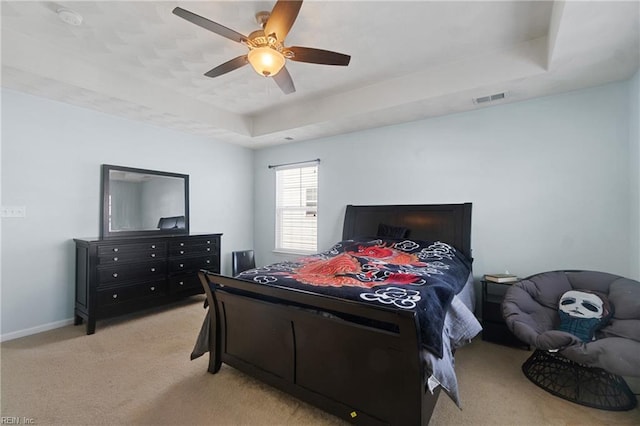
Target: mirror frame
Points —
{"points": [[104, 208]]}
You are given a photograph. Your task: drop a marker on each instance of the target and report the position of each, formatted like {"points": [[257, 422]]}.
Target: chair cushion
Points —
{"points": [[624, 294], [622, 328], [547, 288], [530, 310], [591, 280], [617, 355]]}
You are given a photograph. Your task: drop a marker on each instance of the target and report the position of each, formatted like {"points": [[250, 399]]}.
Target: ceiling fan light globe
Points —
{"points": [[266, 61]]}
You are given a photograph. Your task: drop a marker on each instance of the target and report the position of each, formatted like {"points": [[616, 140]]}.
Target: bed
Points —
{"points": [[364, 362]]}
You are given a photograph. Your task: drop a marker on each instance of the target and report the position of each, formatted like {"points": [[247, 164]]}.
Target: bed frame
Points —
{"points": [[300, 343]]}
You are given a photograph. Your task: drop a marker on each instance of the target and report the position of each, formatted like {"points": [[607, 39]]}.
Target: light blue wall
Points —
{"points": [[548, 179], [634, 158], [554, 184], [51, 157]]}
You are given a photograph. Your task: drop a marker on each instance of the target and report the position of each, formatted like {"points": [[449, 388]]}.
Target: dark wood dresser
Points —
{"points": [[121, 275]]}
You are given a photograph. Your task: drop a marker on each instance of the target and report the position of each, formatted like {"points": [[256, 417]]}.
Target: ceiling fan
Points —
{"points": [[267, 53]]}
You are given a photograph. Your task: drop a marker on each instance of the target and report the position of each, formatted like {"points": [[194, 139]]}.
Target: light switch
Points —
{"points": [[13, 211]]}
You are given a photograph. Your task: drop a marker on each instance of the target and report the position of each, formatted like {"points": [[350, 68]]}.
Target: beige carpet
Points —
{"points": [[136, 370]]}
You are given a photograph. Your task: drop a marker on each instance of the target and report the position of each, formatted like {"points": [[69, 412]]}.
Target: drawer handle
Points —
{"points": [[153, 255], [115, 249], [181, 282], [208, 261], [115, 295], [115, 275], [153, 246], [153, 289], [208, 248], [115, 259], [181, 244], [153, 269], [182, 265], [208, 241], [181, 251]]}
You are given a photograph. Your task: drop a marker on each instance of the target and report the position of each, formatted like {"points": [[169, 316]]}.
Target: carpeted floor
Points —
{"points": [[136, 370]]}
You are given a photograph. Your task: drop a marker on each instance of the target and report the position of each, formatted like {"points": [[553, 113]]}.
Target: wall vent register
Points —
{"points": [[490, 98]]}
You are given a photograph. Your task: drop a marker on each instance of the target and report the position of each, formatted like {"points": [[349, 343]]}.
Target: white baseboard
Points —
{"points": [[33, 330]]}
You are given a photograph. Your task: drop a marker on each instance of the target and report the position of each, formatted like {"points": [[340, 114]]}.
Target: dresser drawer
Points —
{"points": [[192, 250], [193, 246], [181, 283], [126, 272], [119, 248], [132, 292], [131, 256], [194, 264]]}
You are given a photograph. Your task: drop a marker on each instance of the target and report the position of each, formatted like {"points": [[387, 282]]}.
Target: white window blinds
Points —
{"points": [[297, 209]]}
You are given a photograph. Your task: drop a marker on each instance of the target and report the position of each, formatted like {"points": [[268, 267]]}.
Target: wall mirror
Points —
{"points": [[138, 202]]}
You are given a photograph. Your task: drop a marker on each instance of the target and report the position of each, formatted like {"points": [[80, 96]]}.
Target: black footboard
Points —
{"points": [[359, 362]]}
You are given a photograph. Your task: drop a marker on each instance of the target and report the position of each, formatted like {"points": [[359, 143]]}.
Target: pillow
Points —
{"points": [[391, 231], [583, 312]]}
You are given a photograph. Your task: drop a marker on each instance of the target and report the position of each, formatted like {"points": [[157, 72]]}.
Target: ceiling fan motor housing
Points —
{"points": [[262, 18], [259, 39]]}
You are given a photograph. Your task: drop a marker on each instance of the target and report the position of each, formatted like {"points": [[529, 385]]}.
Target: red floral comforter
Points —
{"points": [[417, 275]]}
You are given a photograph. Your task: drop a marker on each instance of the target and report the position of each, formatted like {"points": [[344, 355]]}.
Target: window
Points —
{"points": [[297, 209]]}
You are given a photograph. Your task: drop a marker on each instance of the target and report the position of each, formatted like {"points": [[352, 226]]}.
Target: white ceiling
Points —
{"points": [[409, 60]]}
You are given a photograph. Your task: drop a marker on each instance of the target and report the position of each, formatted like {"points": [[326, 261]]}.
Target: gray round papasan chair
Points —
{"points": [[587, 373]]}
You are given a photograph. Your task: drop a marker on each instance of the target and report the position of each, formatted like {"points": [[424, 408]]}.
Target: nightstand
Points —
{"points": [[494, 329]]}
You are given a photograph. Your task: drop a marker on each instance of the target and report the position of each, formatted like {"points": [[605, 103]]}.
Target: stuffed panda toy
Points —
{"points": [[583, 312]]}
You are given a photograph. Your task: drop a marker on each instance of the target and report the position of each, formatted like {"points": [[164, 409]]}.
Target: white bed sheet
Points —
{"points": [[460, 326]]}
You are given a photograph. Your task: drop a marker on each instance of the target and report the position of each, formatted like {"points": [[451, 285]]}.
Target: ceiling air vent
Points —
{"points": [[490, 98]]}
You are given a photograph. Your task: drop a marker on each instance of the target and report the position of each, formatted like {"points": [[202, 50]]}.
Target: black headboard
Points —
{"points": [[450, 223]]}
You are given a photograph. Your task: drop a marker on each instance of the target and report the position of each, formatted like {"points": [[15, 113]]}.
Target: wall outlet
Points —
{"points": [[13, 211]]}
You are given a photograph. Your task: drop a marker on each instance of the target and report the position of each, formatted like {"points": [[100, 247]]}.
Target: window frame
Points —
{"points": [[307, 202]]}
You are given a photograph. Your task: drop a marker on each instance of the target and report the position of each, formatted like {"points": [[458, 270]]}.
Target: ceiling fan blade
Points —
{"points": [[318, 56], [282, 17], [231, 65], [284, 81], [209, 25]]}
